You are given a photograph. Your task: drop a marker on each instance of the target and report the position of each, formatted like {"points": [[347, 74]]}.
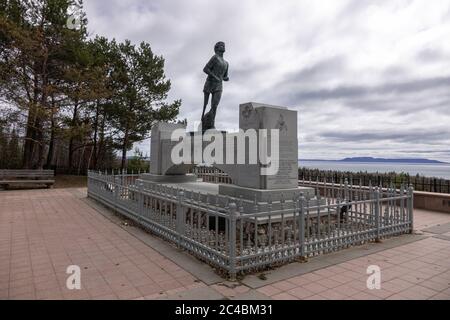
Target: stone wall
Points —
{"points": [[432, 201]]}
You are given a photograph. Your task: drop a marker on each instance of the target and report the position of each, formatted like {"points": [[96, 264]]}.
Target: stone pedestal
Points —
{"points": [[264, 195], [168, 178], [161, 147], [261, 116], [248, 178]]}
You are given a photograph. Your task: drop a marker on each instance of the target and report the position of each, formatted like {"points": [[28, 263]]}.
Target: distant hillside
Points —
{"points": [[370, 159]]}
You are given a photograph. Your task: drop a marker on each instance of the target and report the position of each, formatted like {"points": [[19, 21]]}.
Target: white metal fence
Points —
{"points": [[240, 236]]}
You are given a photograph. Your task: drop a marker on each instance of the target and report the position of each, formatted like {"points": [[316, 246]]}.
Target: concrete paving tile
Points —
{"points": [[118, 262]]}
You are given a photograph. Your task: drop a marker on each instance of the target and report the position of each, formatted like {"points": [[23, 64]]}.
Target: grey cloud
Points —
{"points": [[431, 55], [395, 72], [247, 69], [407, 104], [426, 151], [353, 91], [331, 66], [356, 6], [266, 43], [413, 135]]}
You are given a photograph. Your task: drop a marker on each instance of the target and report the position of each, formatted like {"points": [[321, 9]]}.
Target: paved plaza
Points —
{"points": [[42, 232]]}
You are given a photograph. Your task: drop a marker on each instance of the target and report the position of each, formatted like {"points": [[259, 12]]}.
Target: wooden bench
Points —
{"points": [[26, 178]]}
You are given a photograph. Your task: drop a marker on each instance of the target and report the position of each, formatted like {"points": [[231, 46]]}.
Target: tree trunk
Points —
{"points": [[101, 143], [41, 145], [71, 140], [51, 144], [51, 149], [124, 150], [28, 149], [30, 135], [94, 149], [43, 104], [80, 161]]}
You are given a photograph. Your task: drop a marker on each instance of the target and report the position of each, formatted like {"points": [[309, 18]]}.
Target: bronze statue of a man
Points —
{"points": [[217, 71]]}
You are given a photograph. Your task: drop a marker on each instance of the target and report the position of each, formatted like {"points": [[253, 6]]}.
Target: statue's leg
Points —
{"points": [[205, 103], [216, 96]]}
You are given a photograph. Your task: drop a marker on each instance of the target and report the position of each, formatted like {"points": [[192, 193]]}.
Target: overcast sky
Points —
{"points": [[368, 77]]}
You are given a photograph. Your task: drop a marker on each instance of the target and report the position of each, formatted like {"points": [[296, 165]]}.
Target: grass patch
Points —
{"points": [[68, 181]]}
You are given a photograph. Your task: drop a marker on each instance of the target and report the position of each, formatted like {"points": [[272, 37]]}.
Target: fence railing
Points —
{"points": [[384, 180], [211, 174], [420, 183], [240, 236]]}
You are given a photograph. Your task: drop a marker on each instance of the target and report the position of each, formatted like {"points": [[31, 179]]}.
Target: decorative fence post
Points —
{"points": [[301, 228], [377, 214], [232, 239], [181, 219], [346, 191], [411, 207], [141, 199], [116, 193]]}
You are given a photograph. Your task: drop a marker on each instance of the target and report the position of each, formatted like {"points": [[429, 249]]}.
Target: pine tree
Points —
{"points": [[34, 55], [73, 93], [14, 151], [141, 93], [3, 148]]}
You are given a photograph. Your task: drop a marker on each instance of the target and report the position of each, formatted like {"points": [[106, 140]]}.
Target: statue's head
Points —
{"points": [[219, 47]]}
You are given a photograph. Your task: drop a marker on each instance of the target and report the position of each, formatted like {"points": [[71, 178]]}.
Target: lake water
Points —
{"points": [[427, 170]]}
